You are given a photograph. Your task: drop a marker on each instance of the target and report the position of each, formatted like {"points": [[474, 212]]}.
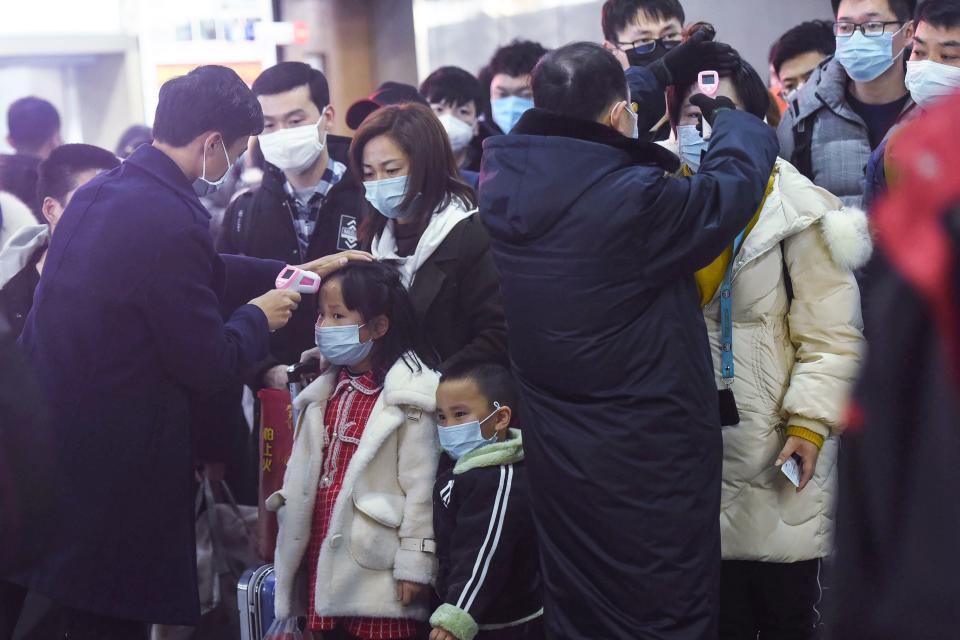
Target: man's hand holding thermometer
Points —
{"points": [[709, 83], [710, 107], [296, 279], [280, 303]]}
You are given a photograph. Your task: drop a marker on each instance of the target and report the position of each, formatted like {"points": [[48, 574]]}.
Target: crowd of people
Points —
{"points": [[586, 334]]}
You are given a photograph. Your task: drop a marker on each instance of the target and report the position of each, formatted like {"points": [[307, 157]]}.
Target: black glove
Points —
{"points": [[711, 107], [683, 63]]}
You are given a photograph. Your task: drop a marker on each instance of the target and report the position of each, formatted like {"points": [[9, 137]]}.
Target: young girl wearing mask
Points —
{"points": [[355, 551]]}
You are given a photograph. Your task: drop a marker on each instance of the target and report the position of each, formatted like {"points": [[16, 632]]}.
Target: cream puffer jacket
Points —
{"points": [[381, 530], [795, 361]]}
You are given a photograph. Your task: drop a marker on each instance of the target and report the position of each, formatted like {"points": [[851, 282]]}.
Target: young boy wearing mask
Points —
{"points": [[489, 577]]}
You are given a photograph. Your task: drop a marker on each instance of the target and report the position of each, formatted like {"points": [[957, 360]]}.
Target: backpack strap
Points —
{"points": [[239, 228], [802, 157], [787, 279]]}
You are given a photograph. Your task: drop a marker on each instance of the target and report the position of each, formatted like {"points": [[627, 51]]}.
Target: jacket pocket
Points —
{"points": [[374, 532]]}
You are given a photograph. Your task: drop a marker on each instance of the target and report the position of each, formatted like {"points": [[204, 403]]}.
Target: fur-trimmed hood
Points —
{"points": [[408, 382], [796, 204]]}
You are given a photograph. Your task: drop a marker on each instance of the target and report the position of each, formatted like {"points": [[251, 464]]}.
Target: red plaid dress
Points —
{"points": [[345, 418]]}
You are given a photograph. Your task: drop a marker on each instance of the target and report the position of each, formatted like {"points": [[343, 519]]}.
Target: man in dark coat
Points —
{"points": [[126, 320], [597, 248], [309, 204]]}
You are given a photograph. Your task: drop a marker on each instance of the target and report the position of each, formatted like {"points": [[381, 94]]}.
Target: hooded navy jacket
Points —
{"points": [[596, 247]]}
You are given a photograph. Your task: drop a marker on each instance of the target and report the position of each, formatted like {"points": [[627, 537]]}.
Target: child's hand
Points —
{"points": [[441, 634], [407, 592]]}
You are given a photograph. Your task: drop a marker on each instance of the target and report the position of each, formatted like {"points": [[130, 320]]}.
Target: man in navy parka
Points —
{"points": [[597, 246], [127, 320]]}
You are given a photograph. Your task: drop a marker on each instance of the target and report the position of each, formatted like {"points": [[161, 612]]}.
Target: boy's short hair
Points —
{"points": [[617, 14], [58, 173], [515, 59], [209, 98], [903, 9], [494, 381], [579, 80], [814, 35], [943, 14], [453, 85], [32, 122]]}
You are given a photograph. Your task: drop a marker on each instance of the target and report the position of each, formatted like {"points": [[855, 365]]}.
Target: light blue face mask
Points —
{"points": [[692, 145], [341, 345], [386, 195], [864, 58], [507, 111], [203, 187], [461, 439]]}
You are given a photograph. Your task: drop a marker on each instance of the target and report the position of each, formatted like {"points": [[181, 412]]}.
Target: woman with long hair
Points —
{"points": [[424, 220]]}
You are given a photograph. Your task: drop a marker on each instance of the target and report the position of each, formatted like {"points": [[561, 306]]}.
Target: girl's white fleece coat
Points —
{"points": [[383, 515]]}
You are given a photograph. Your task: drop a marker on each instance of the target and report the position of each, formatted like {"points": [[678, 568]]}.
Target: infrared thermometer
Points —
{"points": [[298, 280], [709, 84]]}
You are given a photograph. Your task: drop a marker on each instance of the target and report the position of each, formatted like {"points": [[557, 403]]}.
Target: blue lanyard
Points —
{"points": [[726, 315]]}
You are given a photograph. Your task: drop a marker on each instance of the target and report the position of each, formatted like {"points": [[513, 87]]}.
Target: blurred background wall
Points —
{"points": [[461, 32], [101, 62]]}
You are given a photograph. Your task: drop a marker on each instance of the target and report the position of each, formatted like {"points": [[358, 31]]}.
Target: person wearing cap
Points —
{"points": [[389, 92], [308, 205]]}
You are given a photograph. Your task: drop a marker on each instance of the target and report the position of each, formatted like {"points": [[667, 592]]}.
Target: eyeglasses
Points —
{"points": [[646, 46], [873, 29]]}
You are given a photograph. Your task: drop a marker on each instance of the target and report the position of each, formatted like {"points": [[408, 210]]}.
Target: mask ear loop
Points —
{"points": [[496, 408]]}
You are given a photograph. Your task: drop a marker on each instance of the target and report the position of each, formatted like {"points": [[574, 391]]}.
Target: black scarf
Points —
{"points": [[539, 122]]}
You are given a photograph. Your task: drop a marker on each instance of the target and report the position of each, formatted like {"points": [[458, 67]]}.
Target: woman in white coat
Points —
{"points": [[796, 346], [355, 551]]}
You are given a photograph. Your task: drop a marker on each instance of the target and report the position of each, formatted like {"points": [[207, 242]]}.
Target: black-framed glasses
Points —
{"points": [[872, 29], [646, 46]]}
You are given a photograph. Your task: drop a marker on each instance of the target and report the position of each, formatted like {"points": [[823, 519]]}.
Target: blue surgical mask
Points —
{"points": [[203, 187], [461, 439], [692, 145], [866, 59], [341, 345], [507, 111], [386, 195]]}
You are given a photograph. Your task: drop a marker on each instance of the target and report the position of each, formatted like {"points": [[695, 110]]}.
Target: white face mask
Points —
{"points": [[294, 149], [459, 132], [635, 118], [928, 81]]}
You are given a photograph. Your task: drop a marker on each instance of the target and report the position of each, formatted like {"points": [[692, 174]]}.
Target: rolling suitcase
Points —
{"points": [[255, 594]]}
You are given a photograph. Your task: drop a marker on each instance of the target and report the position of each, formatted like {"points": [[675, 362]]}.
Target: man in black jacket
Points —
{"points": [[308, 206], [596, 249]]}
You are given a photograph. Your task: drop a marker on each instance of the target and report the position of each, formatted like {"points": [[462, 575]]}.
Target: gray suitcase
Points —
{"points": [[255, 594]]}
